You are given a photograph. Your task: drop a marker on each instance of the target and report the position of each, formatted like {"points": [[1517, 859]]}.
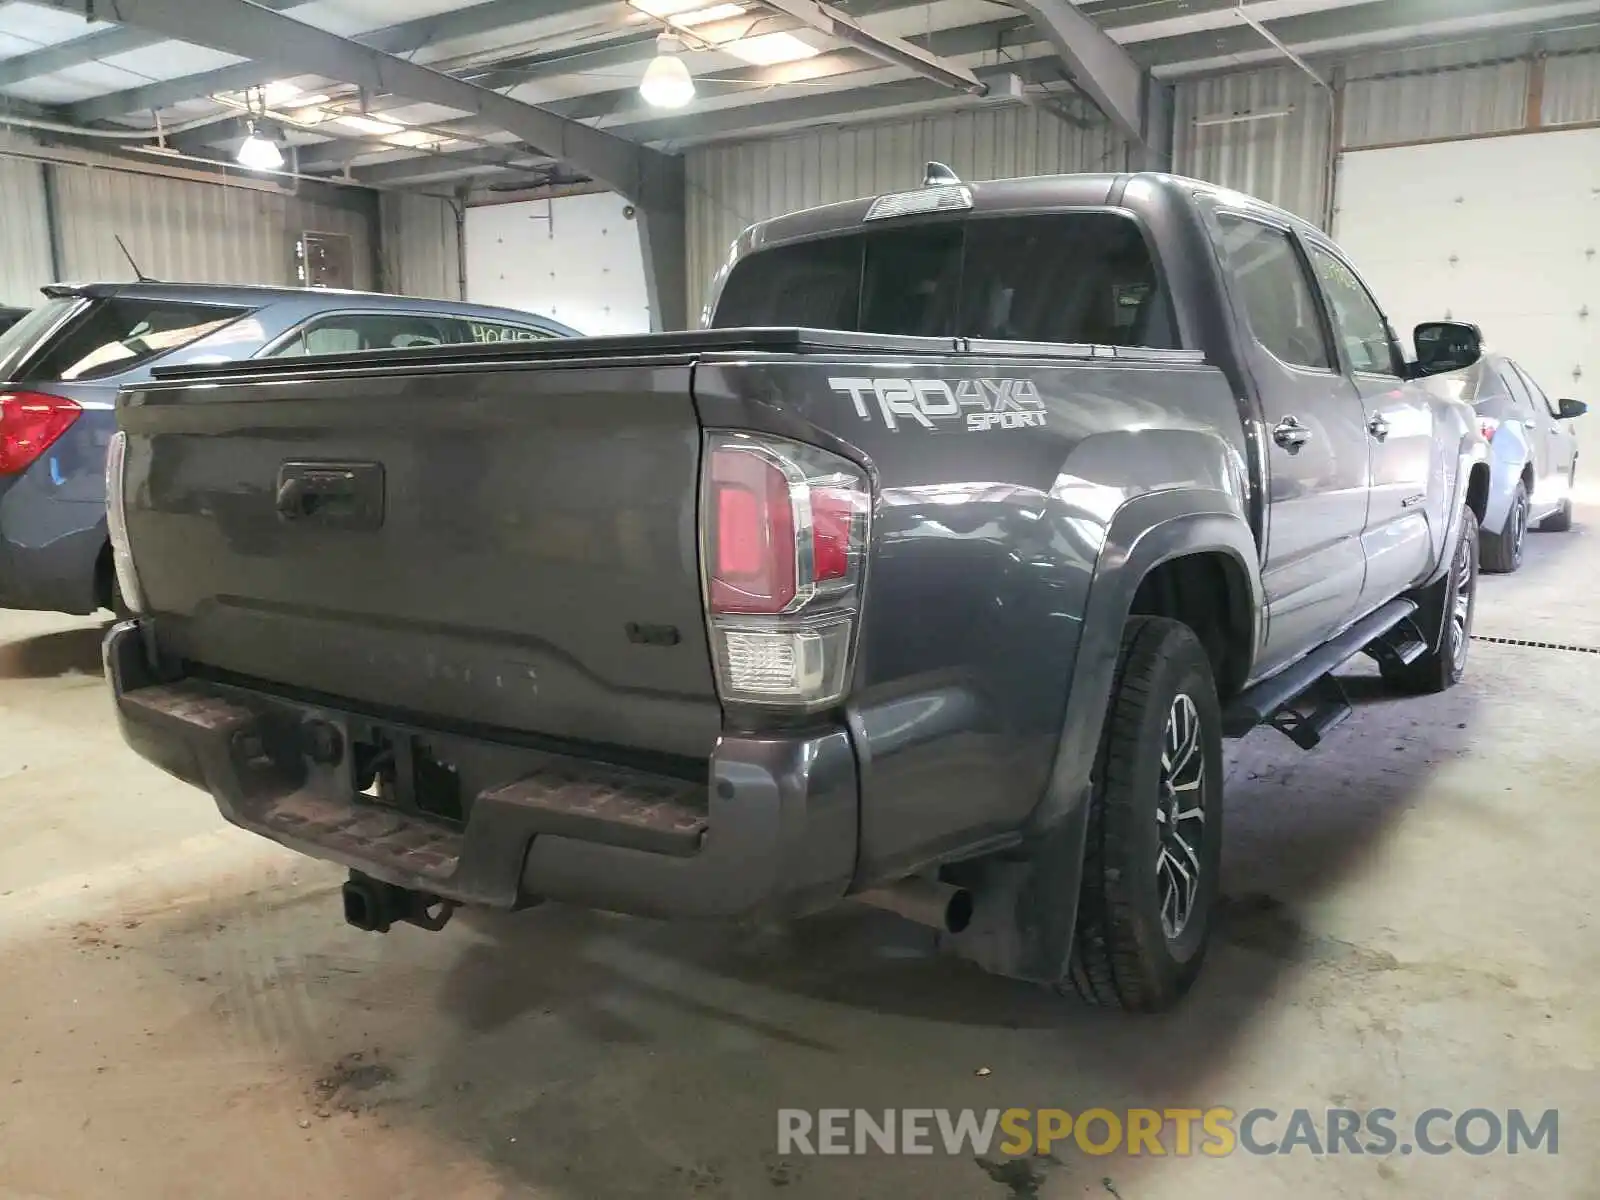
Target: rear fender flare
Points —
{"points": [[1474, 450], [1145, 532], [1041, 892]]}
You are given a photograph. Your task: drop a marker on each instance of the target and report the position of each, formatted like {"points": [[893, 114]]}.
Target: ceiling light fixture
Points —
{"points": [[667, 82], [770, 49], [259, 152]]}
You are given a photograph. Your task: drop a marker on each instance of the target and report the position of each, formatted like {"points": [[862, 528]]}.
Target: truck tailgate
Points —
{"points": [[506, 547]]}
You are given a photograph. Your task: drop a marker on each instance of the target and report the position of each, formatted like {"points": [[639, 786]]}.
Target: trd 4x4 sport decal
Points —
{"points": [[976, 404]]}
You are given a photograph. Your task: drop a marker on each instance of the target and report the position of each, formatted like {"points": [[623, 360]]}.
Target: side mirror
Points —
{"points": [[1446, 346], [1567, 409]]}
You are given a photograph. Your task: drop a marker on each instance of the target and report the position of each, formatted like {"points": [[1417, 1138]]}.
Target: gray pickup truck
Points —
{"points": [[932, 575]]}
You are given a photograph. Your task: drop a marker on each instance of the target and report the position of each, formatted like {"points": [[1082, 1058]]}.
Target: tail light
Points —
{"points": [[30, 422], [117, 524], [1487, 426], [784, 530]]}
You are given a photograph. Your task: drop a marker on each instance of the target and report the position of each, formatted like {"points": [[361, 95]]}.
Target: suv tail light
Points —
{"points": [[1487, 426], [117, 524], [784, 534], [30, 422]]}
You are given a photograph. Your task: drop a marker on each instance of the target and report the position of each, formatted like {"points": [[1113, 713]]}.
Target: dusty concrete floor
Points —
{"points": [[1412, 922]]}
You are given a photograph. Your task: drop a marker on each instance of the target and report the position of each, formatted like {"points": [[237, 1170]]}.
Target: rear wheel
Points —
{"points": [[1445, 611], [1154, 845], [1502, 552]]}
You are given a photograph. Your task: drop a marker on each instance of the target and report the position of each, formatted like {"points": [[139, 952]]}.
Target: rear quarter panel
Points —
{"points": [[985, 542]]}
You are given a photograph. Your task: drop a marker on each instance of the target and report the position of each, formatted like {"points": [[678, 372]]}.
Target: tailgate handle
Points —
{"points": [[345, 495]]}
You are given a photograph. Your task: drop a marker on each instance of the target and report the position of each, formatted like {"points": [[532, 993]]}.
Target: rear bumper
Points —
{"points": [[771, 832]]}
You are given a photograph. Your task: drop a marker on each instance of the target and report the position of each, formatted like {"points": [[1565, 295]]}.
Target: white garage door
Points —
{"points": [[1503, 232]]}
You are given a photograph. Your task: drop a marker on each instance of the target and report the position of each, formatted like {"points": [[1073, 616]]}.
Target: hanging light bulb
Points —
{"points": [[667, 82], [259, 153]]}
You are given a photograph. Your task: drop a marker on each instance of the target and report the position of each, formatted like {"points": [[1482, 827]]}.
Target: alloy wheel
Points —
{"points": [[1461, 603], [1180, 813]]}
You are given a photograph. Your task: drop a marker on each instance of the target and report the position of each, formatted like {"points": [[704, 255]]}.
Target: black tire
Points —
{"points": [[1445, 662], [1502, 552], [1124, 952], [1560, 521]]}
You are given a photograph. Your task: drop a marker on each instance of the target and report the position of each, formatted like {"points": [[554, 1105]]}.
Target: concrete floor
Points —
{"points": [[1411, 922]]}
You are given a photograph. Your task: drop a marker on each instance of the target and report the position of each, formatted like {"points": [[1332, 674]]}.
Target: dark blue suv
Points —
{"points": [[61, 366]]}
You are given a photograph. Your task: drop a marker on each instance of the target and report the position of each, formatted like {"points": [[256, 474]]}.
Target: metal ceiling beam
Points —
{"points": [[895, 51], [285, 46], [1367, 19], [653, 181], [1098, 65], [620, 107], [101, 44], [428, 166], [393, 39], [865, 103]]}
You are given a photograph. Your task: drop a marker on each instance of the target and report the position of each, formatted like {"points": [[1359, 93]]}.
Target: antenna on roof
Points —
{"points": [[939, 175], [137, 273]]}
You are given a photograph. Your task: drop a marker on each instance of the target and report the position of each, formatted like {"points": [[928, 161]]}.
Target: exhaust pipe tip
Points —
{"points": [[942, 906], [958, 913]]}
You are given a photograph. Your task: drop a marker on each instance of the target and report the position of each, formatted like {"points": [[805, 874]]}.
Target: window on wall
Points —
{"points": [[1360, 325], [1270, 279]]}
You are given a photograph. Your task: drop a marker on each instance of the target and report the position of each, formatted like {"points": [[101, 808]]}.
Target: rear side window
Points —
{"points": [[1521, 400], [1279, 303], [1056, 277], [122, 332], [1361, 326], [474, 330], [350, 333], [1537, 393]]}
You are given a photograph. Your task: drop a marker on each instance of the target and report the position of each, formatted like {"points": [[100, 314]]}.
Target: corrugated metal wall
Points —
{"points": [[178, 229], [1571, 89], [1281, 158], [1465, 90], [421, 252], [24, 235], [1433, 93], [732, 185], [193, 232]]}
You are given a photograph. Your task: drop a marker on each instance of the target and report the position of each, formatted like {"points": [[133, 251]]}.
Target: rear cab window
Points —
{"points": [[1070, 277], [117, 333]]}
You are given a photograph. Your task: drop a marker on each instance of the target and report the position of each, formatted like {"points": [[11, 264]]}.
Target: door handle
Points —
{"points": [[1378, 427], [1291, 434]]}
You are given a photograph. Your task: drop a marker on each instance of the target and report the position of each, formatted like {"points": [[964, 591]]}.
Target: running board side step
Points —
{"points": [[1279, 696]]}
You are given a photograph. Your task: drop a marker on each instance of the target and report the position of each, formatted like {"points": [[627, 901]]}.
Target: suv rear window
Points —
{"points": [[124, 331], [1084, 277]]}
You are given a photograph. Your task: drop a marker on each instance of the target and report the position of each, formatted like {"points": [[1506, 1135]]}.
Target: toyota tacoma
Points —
{"points": [[933, 574]]}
